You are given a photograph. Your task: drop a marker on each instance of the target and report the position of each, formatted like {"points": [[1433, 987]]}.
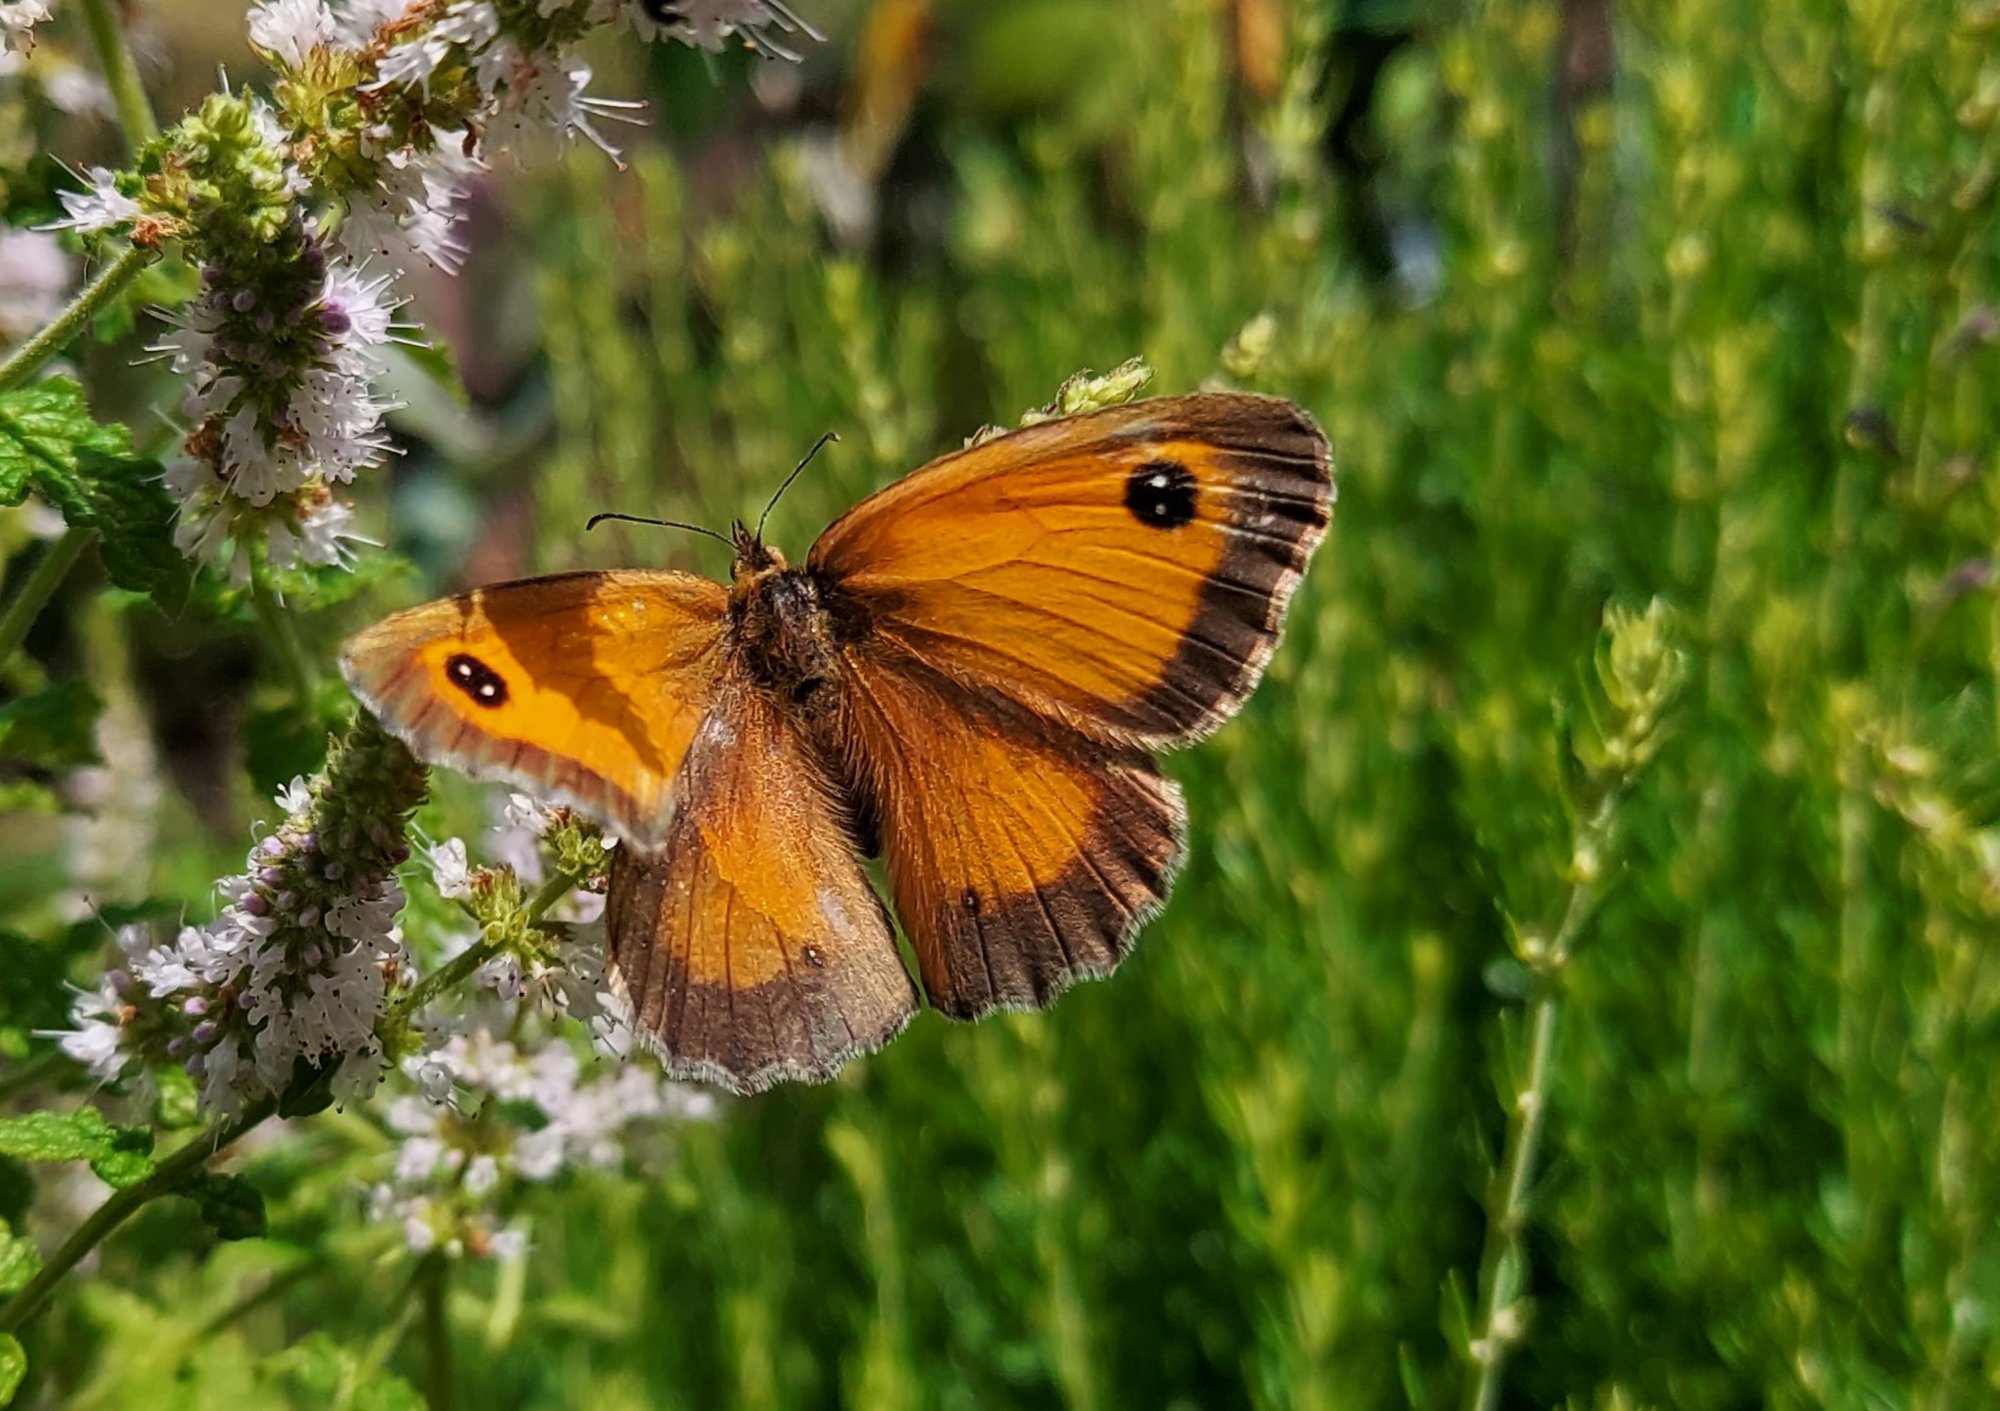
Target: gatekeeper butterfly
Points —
{"points": [[970, 675]]}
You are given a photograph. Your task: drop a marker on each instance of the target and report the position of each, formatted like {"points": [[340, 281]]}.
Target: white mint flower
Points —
{"points": [[706, 24], [295, 969], [287, 31], [99, 206], [360, 19], [451, 873], [118, 1021], [18, 19]]}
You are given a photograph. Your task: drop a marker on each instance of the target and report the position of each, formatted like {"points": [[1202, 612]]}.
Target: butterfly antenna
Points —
{"points": [[598, 519], [796, 470]]}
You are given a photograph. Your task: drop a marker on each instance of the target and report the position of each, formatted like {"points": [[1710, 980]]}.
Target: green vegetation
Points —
{"points": [[1577, 992]]}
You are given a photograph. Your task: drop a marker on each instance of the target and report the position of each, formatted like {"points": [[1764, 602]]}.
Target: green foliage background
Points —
{"points": [[1713, 322]]}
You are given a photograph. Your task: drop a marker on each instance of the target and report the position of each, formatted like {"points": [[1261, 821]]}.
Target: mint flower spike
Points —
{"points": [[299, 967]]}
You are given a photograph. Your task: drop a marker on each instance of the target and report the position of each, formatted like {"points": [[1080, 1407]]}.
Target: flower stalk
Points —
{"points": [[1641, 670], [54, 566]]}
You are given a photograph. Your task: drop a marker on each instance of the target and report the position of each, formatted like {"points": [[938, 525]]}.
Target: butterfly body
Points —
{"points": [[969, 674]]}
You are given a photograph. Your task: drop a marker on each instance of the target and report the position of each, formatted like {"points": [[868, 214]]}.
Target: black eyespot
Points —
{"points": [[1160, 494], [970, 901], [480, 682]]}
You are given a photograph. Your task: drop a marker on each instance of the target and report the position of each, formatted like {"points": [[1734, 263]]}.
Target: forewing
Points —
{"points": [[1125, 572], [751, 947], [582, 688]]}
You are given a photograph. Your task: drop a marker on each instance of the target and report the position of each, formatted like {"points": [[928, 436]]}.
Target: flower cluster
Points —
{"points": [[287, 985], [303, 210], [489, 1113]]}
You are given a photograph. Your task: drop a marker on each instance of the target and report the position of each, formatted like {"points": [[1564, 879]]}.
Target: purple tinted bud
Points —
{"points": [[334, 871], [312, 955], [266, 322], [176, 1046], [273, 846], [285, 901], [309, 843], [121, 982], [335, 320], [243, 300], [204, 1033], [309, 917], [256, 904], [270, 876], [197, 1065], [194, 1006]]}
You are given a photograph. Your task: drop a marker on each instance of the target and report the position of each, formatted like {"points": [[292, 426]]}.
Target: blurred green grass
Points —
{"points": [[1705, 315]]}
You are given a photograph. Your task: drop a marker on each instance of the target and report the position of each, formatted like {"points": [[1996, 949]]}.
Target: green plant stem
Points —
{"points": [[121, 75], [1502, 1319], [110, 282], [283, 635], [433, 1276], [122, 1205], [42, 583]]}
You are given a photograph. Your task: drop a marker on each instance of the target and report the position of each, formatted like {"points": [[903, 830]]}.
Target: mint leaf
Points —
{"points": [[53, 728], [134, 515], [121, 1156], [19, 1261], [230, 1205], [51, 446], [41, 429], [13, 1367]]}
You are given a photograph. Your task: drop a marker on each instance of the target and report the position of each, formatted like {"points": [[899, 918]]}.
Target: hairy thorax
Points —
{"points": [[787, 626]]}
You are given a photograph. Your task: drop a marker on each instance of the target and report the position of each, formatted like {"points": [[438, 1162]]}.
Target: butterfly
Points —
{"points": [[969, 675]]}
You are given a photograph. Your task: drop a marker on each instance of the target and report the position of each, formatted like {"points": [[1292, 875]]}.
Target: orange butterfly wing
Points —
{"points": [[1036, 613], [1125, 571], [751, 946], [1021, 857], [582, 688]]}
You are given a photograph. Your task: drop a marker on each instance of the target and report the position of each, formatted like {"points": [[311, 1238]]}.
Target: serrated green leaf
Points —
{"points": [[122, 1168], [54, 727], [50, 444], [13, 1367], [19, 1260], [230, 1205], [121, 1156], [41, 430], [134, 517]]}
